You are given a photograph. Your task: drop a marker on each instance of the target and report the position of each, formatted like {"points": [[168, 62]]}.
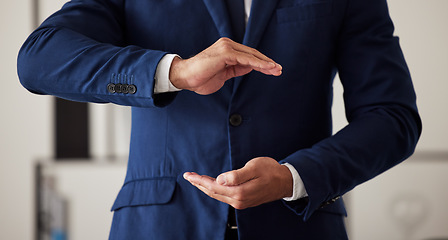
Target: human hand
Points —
{"points": [[260, 181], [207, 72]]}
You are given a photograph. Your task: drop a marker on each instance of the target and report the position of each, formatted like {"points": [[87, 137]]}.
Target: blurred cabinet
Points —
{"points": [[74, 199]]}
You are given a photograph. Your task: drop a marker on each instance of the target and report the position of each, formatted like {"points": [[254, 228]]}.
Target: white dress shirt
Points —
{"points": [[163, 84]]}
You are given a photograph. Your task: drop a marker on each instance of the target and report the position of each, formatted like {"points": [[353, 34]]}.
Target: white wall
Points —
{"points": [[25, 131], [407, 202], [422, 26]]}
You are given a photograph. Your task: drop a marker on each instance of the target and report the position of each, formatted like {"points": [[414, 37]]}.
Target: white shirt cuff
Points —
{"points": [[299, 190], [162, 78]]}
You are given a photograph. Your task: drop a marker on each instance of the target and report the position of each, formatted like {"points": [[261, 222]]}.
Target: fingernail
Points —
{"points": [[186, 175], [221, 179]]}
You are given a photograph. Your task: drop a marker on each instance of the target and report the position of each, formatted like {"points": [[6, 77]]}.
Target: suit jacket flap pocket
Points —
{"points": [[145, 192]]}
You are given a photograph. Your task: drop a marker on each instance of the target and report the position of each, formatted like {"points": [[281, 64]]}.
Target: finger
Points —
{"points": [[240, 197], [235, 53], [237, 177], [245, 58], [248, 60], [243, 48], [209, 185], [231, 195], [254, 52], [211, 192], [237, 70], [227, 44], [193, 177], [204, 181]]}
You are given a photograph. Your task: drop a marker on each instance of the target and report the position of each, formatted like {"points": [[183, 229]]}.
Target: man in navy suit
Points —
{"points": [[213, 114]]}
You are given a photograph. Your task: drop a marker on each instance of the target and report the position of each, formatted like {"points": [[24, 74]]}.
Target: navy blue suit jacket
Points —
{"points": [[83, 48]]}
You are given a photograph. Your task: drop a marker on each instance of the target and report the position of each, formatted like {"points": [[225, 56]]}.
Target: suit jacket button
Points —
{"points": [[118, 88], [132, 89], [125, 88], [236, 120], [111, 88]]}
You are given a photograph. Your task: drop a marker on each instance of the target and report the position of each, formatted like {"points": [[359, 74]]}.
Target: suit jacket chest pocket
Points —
{"points": [[304, 12]]}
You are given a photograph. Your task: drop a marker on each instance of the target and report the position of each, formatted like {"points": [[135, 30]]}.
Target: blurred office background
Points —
{"points": [[39, 195]]}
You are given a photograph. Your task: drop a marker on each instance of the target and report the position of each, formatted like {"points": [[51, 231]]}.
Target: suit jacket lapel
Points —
{"points": [[260, 14], [220, 16]]}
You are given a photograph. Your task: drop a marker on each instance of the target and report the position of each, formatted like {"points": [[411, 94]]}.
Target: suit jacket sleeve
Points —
{"points": [[80, 49], [384, 125]]}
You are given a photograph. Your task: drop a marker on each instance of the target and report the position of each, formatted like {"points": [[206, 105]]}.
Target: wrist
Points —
{"points": [[299, 190], [175, 73], [162, 82], [288, 182]]}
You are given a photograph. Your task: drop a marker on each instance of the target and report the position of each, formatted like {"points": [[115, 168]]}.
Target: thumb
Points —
{"points": [[236, 177]]}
